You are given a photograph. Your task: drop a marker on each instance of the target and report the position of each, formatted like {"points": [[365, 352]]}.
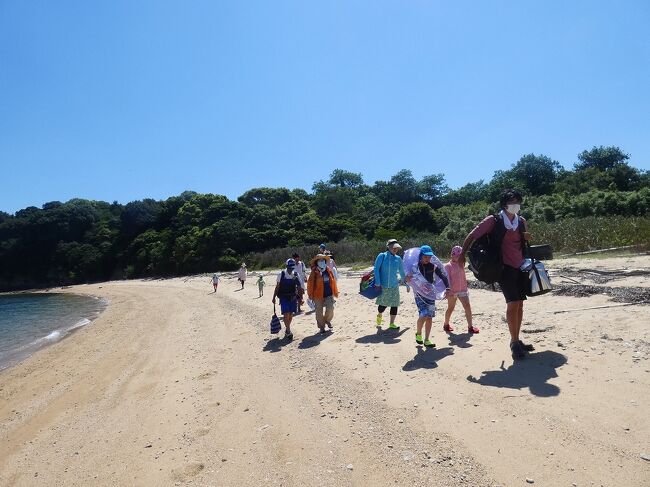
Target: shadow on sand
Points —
{"points": [[315, 339], [275, 344], [532, 372], [387, 337], [460, 340], [427, 358]]}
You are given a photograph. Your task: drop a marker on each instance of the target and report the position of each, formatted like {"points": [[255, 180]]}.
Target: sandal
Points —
{"points": [[448, 328], [472, 329]]}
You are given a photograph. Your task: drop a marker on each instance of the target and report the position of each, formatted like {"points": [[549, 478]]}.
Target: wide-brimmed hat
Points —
{"points": [[319, 257]]}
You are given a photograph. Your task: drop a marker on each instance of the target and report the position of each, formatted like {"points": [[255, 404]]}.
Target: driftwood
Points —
{"points": [[598, 307], [600, 251]]}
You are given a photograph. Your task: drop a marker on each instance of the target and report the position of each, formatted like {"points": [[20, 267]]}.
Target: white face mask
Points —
{"points": [[513, 209], [322, 265]]}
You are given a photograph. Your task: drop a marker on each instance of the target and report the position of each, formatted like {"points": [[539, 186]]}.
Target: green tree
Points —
{"points": [[601, 158]]}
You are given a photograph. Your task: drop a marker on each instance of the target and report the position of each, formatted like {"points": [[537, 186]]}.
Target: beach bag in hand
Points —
{"points": [[367, 287], [538, 281], [275, 323]]}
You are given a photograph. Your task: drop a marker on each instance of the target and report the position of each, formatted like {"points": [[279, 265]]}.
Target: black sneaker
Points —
{"points": [[517, 350], [526, 347], [288, 336]]}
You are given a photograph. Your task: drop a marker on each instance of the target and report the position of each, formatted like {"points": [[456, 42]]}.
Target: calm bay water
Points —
{"points": [[29, 322]]}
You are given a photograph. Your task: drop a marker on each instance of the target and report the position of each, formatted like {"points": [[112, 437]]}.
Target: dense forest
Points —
{"points": [[603, 199]]}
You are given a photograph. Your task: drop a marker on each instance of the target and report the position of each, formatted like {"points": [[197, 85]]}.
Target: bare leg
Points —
{"points": [[420, 324], [514, 315], [451, 304], [287, 322], [427, 327], [468, 310]]}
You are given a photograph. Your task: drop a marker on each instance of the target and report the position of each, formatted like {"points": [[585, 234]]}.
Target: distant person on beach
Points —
{"points": [[260, 285], [287, 288], [458, 291], [388, 265], [215, 281], [302, 272], [241, 275], [512, 231], [427, 304], [322, 289], [321, 249]]}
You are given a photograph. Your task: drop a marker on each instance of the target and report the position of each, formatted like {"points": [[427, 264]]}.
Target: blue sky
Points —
{"points": [[124, 100]]}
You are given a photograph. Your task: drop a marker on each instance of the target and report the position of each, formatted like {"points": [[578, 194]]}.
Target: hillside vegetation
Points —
{"points": [[603, 201]]}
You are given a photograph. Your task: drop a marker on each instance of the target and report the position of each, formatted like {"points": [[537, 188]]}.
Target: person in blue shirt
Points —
{"points": [[388, 265]]}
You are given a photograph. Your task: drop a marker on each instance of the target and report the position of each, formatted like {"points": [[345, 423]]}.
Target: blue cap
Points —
{"points": [[291, 263], [322, 246], [426, 250]]}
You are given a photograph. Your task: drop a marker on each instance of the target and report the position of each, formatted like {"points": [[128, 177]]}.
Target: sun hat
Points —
{"points": [[319, 257], [456, 250], [393, 243], [426, 250], [290, 263]]}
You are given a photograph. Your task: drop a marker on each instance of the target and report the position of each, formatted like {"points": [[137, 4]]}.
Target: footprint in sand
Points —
{"points": [[206, 375], [187, 472]]}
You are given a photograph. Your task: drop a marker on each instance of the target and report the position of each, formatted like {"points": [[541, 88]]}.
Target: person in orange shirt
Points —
{"points": [[458, 290], [322, 289]]}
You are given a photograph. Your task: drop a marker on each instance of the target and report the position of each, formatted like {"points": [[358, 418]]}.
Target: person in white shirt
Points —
{"points": [[241, 276], [215, 281], [302, 272]]}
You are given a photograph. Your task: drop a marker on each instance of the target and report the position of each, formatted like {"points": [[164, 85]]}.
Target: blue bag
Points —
{"points": [[275, 323]]}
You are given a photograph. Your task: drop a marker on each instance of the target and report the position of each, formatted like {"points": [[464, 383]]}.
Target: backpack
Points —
{"points": [[485, 253], [288, 287]]}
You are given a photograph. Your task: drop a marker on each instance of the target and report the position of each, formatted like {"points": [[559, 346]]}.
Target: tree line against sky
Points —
{"points": [[82, 240]]}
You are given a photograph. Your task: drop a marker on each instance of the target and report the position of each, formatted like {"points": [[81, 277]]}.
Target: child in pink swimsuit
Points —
{"points": [[458, 290]]}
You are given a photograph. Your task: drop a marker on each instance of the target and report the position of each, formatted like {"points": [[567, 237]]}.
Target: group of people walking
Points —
{"points": [[507, 228]]}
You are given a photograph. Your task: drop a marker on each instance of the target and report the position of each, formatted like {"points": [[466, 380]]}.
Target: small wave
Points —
{"points": [[53, 337]]}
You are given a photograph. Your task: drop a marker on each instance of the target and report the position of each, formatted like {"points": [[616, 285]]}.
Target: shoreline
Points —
{"points": [[63, 330], [177, 384]]}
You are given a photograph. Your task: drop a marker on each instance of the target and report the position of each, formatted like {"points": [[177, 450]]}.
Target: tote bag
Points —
{"points": [[275, 323]]}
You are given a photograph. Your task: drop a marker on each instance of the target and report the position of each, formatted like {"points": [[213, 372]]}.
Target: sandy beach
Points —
{"points": [[174, 384]]}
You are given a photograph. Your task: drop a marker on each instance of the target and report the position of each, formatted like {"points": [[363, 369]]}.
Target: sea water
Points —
{"points": [[29, 322]]}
